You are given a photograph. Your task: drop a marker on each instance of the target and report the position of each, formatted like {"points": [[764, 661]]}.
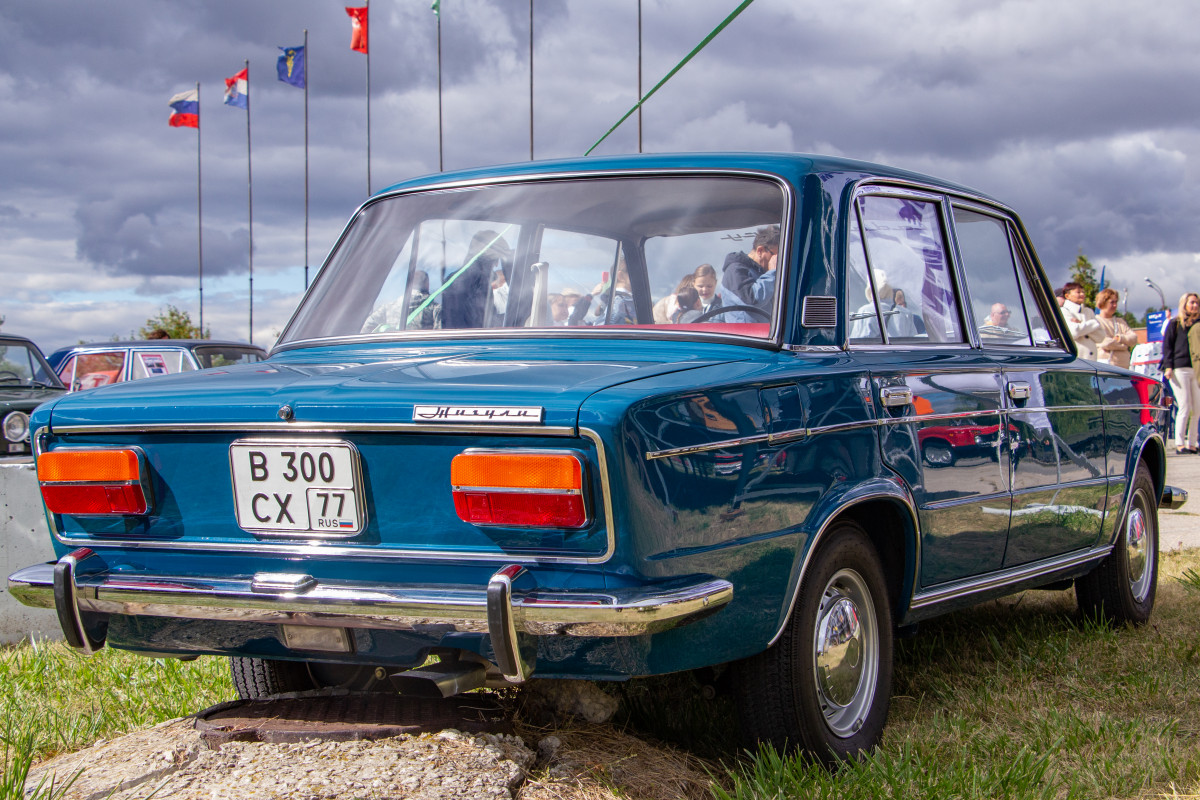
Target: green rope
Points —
{"points": [[745, 4]]}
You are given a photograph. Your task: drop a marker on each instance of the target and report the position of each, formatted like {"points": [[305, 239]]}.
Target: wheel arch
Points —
{"points": [[1148, 447], [887, 512]]}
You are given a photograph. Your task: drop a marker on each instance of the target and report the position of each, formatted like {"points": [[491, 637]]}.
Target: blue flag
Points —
{"points": [[1102, 269], [291, 66]]}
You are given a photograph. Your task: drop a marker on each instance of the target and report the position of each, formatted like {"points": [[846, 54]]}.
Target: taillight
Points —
{"points": [[528, 489], [93, 482]]}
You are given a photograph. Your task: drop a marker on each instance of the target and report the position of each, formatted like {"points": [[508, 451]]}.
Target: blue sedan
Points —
{"points": [[617, 417]]}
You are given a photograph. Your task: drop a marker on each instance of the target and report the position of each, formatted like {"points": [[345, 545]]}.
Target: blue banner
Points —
{"points": [[1155, 322]]}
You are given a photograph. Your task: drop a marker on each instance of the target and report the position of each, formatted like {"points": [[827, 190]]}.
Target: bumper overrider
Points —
{"points": [[501, 609]]}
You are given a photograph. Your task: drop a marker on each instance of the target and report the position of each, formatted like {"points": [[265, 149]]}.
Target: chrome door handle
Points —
{"points": [[1018, 390], [895, 396]]}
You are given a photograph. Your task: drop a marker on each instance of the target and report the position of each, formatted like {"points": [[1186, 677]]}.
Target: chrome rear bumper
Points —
{"points": [[498, 609], [1172, 497]]}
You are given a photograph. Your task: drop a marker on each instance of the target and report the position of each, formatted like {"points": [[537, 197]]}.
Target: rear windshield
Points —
{"points": [[657, 254]]}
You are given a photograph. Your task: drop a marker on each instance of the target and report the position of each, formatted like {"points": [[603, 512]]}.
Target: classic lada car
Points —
{"points": [[616, 417]]}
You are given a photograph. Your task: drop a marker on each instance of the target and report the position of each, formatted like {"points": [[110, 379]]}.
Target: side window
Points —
{"points": [[1043, 334], [67, 371], [99, 369], [147, 364], [1004, 310], [908, 271], [864, 318]]}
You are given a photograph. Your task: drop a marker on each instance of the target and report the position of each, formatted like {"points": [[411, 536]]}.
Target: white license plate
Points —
{"points": [[297, 487]]}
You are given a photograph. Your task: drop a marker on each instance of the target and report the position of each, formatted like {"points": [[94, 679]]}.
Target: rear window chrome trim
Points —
{"points": [[775, 340]]}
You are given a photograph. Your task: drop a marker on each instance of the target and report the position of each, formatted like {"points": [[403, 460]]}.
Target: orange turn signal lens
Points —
{"points": [[517, 470], [88, 465], [90, 482], [531, 490]]}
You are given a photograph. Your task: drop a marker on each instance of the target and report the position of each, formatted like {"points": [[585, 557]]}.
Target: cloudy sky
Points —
{"points": [[1081, 114]]}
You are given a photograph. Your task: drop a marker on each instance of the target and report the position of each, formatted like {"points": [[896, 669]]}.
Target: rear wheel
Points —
{"points": [[256, 678], [1123, 587], [825, 687]]}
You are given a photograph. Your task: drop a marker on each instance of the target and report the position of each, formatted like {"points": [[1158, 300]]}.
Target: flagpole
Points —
{"points": [[441, 160], [199, 215], [250, 200], [639, 91], [367, 4], [531, 80], [306, 73]]}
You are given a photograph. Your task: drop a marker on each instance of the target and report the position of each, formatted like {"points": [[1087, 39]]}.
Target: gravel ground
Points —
{"points": [[171, 762]]}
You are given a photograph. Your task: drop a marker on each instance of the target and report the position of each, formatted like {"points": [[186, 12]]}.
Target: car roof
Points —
{"points": [[789, 165], [13, 338]]}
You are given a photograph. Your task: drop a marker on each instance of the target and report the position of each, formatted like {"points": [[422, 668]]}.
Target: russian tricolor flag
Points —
{"points": [[237, 89], [185, 110]]}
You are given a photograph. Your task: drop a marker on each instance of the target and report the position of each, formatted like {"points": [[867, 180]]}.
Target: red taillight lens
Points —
{"points": [[536, 490], [93, 482]]}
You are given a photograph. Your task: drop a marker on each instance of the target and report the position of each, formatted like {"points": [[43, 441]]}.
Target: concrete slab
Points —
{"points": [[1180, 529], [24, 540]]}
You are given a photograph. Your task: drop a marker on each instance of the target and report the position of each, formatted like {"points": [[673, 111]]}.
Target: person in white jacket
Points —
{"points": [[1081, 320]]}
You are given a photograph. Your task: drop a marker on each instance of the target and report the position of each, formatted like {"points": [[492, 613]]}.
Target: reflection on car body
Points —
{"points": [[530, 492]]}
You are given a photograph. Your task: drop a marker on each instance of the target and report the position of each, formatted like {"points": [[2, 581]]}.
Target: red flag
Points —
{"points": [[358, 24]]}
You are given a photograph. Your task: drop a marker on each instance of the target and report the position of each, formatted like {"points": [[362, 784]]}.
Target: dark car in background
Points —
{"points": [[26, 381], [86, 366]]}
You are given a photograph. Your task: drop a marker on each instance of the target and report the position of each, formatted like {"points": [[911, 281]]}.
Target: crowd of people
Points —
{"points": [[1105, 337]]}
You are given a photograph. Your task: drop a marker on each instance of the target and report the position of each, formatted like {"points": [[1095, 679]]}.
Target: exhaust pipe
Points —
{"points": [[443, 679]]}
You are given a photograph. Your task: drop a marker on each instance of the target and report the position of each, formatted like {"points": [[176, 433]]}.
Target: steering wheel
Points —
{"points": [[713, 312], [9, 375]]}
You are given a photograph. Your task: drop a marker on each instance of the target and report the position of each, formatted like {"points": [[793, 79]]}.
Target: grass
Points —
{"points": [[1018, 698], [1021, 698], [56, 700]]}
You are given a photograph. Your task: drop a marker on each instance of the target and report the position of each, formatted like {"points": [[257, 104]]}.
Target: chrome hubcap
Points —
{"points": [[1138, 553], [846, 652]]}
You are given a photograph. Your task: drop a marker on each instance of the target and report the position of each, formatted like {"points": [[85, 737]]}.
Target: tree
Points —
{"points": [[1083, 273], [176, 323]]}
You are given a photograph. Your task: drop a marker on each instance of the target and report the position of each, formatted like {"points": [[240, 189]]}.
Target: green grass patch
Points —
{"points": [[1022, 698], [57, 700]]}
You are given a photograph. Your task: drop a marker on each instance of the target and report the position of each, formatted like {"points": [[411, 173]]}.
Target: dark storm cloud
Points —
{"points": [[128, 238], [1074, 113]]}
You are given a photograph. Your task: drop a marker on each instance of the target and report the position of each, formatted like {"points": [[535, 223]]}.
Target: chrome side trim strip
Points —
{"points": [[617, 612], [309, 549], [996, 580], [314, 427], [802, 433], [762, 438]]}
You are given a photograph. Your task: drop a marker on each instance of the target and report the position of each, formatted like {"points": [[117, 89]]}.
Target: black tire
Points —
{"points": [[256, 678], [1122, 588], [804, 693]]}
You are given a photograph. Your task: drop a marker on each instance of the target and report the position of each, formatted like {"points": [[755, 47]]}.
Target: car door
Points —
{"points": [[1054, 424], [938, 399]]}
